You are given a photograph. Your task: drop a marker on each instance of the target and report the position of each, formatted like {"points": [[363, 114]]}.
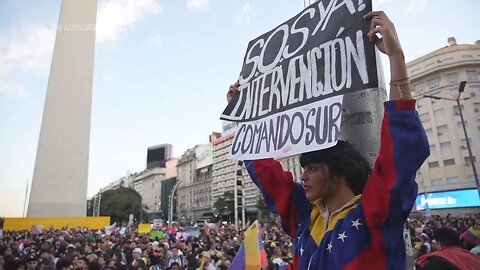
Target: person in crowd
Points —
{"points": [[471, 238], [176, 257], [341, 201], [63, 264], [425, 246], [82, 263], [205, 259], [450, 256], [32, 262], [136, 256]]}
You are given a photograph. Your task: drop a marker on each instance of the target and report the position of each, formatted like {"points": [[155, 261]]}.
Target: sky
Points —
{"points": [[161, 72]]}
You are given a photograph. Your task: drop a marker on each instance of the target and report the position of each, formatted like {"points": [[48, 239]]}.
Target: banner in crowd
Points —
{"points": [[144, 227], [156, 235], [158, 223], [20, 224], [293, 79]]}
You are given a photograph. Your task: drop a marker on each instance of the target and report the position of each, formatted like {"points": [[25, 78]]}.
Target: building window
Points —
{"points": [[442, 130], [433, 164], [425, 117], [439, 113], [467, 160], [463, 143], [422, 102], [437, 182], [467, 56], [433, 150], [476, 107], [433, 83], [454, 180], [452, 77], [474, 90], [472, 75], [449, 162], [428, 131], [460, 126], [446, 148], [456, 111], [419, 88]]}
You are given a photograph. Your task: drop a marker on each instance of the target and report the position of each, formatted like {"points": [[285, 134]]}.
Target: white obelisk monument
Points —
{"points": [[59, 185]]}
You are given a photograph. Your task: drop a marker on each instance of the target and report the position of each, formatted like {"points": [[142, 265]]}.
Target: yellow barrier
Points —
{"points": [[19, 224]]}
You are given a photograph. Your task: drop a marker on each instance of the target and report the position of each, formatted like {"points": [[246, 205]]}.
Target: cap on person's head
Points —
{"points": [[155, 243], [424, 235], [137, 250]]}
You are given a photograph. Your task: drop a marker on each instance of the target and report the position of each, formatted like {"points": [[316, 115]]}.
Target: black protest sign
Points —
{"points": [[320, 53]]}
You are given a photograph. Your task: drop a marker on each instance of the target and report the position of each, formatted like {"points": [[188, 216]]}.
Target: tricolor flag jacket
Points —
{"points": [[366, 233]]}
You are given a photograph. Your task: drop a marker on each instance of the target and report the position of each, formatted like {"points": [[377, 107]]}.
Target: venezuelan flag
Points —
{"points": [[251, 255], [472, 236]]}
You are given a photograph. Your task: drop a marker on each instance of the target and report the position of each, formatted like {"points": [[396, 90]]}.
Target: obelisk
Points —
{"points": [[60, 176]]}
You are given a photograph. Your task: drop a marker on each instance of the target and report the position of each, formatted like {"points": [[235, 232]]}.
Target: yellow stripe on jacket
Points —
{"points": [[320, 217]]}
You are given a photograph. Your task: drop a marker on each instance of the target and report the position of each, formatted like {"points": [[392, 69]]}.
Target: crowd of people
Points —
{"points": [[213, 249], [79, 248], [422, 231]]}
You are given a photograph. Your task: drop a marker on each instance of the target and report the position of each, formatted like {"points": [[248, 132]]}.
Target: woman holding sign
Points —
{"points": [[346, 215]]}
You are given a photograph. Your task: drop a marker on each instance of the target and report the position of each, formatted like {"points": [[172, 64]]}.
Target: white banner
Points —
{"points": [[311, 127]]}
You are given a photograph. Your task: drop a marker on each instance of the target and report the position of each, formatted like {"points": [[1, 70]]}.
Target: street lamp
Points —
{"points": [[470, 155], [171, 197]]}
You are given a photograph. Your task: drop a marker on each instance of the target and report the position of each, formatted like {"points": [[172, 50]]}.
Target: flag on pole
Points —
{"points": [[253, 249]]}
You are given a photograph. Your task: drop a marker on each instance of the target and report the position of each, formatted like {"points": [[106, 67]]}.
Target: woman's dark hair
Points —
{"points": [[342, 160]]}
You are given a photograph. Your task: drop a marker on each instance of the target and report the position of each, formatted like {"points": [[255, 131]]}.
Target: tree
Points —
{"points": [[120, 203], [225, 204], [262, 208]]}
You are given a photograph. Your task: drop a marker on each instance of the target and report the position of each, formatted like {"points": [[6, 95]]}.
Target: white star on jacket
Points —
{"points": [[329, 248], [342, 236], [356, 224]]}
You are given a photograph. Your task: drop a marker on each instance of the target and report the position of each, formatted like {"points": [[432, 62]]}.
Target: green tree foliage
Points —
{"points": [[262, 208], [120, 203], [224, 204]]}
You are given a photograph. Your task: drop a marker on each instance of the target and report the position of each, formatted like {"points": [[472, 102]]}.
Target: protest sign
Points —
{"points": [[144, 227], [158, 223], [156, 234], [293, 78]]}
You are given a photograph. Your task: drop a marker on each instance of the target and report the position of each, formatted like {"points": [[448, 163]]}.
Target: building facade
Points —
{"points": [[439, 73], [149, 185], [186, 173], [292, 164], [224, 171]]}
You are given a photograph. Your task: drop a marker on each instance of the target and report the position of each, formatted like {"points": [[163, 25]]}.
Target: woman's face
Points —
{"points": [[318, 183]]}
